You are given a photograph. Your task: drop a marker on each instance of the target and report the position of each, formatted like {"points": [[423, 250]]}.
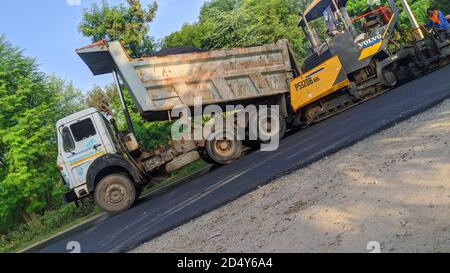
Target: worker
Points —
{"points": [[438, 21], [330, 20]]}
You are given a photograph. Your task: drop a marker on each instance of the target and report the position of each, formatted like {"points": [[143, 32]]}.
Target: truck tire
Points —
{"points": [[205, 157], [115, 193], [389, 78], [223, 147], [267, 129], [139, 191]]}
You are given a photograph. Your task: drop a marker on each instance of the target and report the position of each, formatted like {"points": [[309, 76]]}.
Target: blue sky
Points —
{"points": [[47, 31]]}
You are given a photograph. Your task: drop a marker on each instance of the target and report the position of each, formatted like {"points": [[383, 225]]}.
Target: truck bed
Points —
{"points": [[230, 76]]}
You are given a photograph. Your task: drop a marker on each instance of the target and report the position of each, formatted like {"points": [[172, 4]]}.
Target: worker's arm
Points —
{"points": [[441, 17], [428, 24], [444, 23]]}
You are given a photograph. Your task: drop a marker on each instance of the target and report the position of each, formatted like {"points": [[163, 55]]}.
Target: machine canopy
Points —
{"points": [[317, 7]]}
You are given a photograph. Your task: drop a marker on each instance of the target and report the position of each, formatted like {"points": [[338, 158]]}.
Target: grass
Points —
{"points": [[68, 216], [45, 226]]}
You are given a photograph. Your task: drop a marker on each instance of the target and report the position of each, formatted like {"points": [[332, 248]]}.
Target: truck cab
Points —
{"points": [[90, 153], [95, 159]]}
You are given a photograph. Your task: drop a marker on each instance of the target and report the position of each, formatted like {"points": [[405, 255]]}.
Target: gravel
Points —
{"points": [[389, 192]]}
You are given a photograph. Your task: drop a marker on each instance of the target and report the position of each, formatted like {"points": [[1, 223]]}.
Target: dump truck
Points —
{"points": [[95, 159]]}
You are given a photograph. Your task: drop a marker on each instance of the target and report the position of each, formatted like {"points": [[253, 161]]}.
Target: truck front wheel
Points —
{"points": [[115, 193]]}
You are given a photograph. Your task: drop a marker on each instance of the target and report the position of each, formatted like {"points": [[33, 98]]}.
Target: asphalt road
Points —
{"points": [[158, 215]]}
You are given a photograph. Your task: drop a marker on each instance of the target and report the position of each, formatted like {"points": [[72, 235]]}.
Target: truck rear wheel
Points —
{"points": [[223, 147], [115, 193], [270, 126], [270, 129]]}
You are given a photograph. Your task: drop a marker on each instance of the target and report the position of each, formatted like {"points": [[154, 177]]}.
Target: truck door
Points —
{"points": [[87, 145]]}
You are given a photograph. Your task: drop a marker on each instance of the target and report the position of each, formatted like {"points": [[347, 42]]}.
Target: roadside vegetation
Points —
{"points": [[45, 226], [55, 221], [31, 207]]}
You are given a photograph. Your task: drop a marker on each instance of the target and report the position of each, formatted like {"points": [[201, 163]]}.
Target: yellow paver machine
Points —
{"points": [[357, 59]]}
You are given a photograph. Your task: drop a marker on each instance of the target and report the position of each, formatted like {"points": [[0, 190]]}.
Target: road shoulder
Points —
{"points": [[392, 188]]}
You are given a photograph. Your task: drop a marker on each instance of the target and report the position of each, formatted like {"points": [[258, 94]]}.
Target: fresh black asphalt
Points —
{"points": [[153, 217]]}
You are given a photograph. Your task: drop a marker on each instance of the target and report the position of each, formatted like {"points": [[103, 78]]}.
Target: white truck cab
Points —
{"points": [[82, 138], [94, 159], [89, 152]]}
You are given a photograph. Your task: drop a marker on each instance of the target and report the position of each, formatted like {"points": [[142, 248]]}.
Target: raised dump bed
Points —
{"points": [[230, 76]]}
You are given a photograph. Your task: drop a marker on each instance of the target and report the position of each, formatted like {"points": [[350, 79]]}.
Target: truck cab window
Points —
{"points": [[68, 143], [83, 129], [110, 130]]}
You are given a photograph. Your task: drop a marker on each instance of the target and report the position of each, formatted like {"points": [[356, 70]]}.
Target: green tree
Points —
{"points": [[30, 104], [418, 7], [240, 23], [69, 99], [443, 5], [235, 23], [127, 24], [102, 98]]}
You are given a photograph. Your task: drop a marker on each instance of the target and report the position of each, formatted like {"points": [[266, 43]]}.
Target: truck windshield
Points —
{"points": [[83, 129], [111, 131], [68, 143]]}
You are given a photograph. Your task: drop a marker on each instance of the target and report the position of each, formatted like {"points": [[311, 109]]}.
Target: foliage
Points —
{"points": [[149, 134], [101, 99], [235, 23], [443, 5], [418, 7], [127, 24], [43, 226], [30, 105], [241, 23]]}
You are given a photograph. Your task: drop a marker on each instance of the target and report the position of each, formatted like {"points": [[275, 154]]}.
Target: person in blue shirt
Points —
{"points": [[438, 21]]}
